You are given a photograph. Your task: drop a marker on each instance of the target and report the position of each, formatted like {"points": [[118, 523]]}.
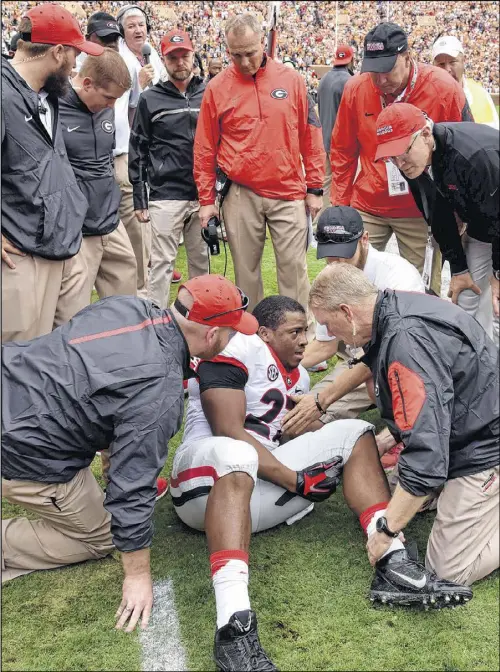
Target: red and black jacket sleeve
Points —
{"points": [[417, 391]]}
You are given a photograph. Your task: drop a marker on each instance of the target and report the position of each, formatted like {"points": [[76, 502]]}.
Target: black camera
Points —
{"points": [[210, 235]]}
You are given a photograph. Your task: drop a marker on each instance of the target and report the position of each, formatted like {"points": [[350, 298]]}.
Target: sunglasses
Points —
{"points": [[404, 156], [325, 237], [245, 301]]}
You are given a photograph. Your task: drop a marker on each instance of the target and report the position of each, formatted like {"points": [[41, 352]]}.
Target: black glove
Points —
{"points": [[318, 482]]}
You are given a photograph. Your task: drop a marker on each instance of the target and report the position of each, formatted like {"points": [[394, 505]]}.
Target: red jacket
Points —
{"points": [[262, 132], [354, 135]]}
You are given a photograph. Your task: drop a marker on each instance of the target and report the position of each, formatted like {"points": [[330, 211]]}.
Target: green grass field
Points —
{"points": [[308, 585]]}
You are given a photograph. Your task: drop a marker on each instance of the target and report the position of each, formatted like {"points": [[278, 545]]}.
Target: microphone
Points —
{"points": [[146, 52]]}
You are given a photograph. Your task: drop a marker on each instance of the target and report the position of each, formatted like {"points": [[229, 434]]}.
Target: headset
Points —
{"points": [[125, 9], [210, 235]]}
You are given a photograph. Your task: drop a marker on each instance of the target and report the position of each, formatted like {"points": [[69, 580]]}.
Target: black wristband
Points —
{"points": [[318, 405], [315, 192]]}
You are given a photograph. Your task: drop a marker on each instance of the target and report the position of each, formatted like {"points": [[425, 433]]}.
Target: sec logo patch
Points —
{"points": [[272, 372], [107, 126], [279, 94]]}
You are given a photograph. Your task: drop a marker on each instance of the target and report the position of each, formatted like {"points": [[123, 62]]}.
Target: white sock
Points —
{"points": [[230, 582], [396, 544]]}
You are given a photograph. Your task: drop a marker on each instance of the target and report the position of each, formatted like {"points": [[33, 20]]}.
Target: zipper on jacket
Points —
{"points": [[258, 98], [396, 375], [191, 128], [95, 138]]}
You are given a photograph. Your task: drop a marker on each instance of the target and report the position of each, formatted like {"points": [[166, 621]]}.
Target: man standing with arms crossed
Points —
{"points": [[380, 193], [258, 126], [161, 166]]}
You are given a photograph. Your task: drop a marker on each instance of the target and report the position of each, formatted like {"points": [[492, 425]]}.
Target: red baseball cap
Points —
{"points": [[218, 302], [343, 55], [52, 24], [175, 39], [395, 126]]}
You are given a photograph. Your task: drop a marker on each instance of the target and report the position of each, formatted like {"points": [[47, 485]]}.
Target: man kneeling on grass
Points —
{"points": [[234, 474], [110, 378]]}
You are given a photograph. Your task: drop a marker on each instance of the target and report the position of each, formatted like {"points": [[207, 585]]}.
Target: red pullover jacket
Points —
{"points": [[262, 131], [354, 135]]}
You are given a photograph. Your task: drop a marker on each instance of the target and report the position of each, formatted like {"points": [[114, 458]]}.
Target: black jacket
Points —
{"points": [[330, 90], [90, 140], [43, 208], [465, 168], [110, 378], [436, 384], [161, 143]]}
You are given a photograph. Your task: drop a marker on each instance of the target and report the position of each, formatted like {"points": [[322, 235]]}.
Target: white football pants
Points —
{"points": [[199, 464]]}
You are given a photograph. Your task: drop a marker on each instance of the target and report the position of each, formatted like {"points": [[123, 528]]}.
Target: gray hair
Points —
{"points": [[133, 11], [239, 23], [339, 284]]}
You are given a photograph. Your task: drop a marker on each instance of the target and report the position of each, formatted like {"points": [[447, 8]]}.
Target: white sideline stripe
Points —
{"points": [[161, 642]]}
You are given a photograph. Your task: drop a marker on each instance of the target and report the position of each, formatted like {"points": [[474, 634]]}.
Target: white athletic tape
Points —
{"points": [[161, 642]]}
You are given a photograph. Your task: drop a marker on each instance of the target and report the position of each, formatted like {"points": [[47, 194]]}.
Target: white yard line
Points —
{"points": [[160, 642]]}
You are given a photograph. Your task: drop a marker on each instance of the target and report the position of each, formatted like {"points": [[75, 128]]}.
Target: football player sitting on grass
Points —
{"points": [[234, 474]]}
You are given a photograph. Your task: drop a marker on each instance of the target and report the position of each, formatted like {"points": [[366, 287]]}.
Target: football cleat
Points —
{"points": [[400, 580], [237, 645]]}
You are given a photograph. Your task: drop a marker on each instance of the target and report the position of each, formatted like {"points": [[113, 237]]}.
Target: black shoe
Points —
{"points": [[237, 646], [400, 580]]}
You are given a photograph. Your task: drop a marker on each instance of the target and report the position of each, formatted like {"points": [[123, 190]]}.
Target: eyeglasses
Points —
{"points": [[404, 156], [245, 301]]}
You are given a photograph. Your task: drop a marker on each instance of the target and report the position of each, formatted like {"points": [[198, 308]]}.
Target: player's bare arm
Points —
{"points": [[225, 411]]}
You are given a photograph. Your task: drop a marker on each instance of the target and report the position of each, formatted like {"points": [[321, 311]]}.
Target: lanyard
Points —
{"points": [[407, 91]]}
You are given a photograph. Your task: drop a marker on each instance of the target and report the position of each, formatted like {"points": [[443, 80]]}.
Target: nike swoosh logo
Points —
{"points": [[72, 129], [401, 47], [369, 114], [418, 583], [27, 118], [494, 192]]}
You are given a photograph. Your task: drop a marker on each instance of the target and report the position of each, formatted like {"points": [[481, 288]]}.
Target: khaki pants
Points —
{"points": [[169, 220], [74, 295], [73, 525], [351, 405], [464, 541], [111, 264], [139, 233], [327, 183], [30, 293], [411, 234], [245, 219]]}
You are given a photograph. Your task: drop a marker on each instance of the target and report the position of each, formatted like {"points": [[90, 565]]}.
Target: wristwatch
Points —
{"points": [[315, 192], [496, 274], [381, 526]]}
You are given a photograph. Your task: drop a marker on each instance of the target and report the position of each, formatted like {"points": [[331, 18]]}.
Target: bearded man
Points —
{"points": [[43, 208], [161, 156]]}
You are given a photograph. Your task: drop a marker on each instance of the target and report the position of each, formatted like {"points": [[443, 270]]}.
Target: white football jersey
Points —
{"points": [[268, 390]]}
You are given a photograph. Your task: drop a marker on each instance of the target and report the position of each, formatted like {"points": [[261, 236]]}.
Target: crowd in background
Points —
{"points": [[307, 29]]}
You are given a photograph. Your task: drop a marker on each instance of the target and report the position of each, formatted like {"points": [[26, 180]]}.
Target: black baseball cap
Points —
{"points": [[103, 27], [382, 46], [338, 230]]}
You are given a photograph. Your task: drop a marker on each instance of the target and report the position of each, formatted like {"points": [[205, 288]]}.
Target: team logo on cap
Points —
{"points": [[112, 25], [375, 46], [176, 39], [107, 126], [279, 94], [341, 54], [337, 229], [384, 129], [272, 372]]}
